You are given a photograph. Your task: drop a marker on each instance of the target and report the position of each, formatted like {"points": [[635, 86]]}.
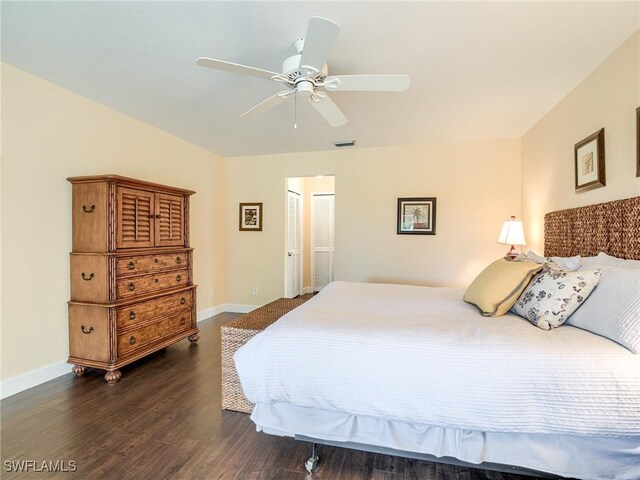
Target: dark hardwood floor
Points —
{"points": [[163, 421]]}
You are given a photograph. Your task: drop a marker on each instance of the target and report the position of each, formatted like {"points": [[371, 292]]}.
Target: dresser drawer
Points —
{"points": [[89, 280], [89, 332], [130, 341], [150, 263], [140, 312], [145, 284]]}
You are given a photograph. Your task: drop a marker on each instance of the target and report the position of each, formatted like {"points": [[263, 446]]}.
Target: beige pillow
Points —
{"points": [[499, 285]]}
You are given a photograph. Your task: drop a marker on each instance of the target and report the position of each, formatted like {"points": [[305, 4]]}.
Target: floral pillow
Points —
{"points": [[553, 295]]}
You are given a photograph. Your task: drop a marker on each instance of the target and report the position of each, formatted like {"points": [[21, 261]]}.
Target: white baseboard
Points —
{"points": [[207, 313], [22, 382], [14, 385], [238, 308]]}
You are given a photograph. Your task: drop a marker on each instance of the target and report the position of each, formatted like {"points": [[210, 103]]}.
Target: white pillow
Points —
{"points": [[553, 295], [534, 257], [610, 261], [613, 309], [589, 263], [570, 264]]}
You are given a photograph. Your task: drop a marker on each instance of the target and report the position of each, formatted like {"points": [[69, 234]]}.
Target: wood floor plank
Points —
{"points": [[163, 420]]}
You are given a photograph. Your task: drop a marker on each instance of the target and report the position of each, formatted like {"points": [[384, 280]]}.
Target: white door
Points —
{"points": [[293, 245], [322, 210]]}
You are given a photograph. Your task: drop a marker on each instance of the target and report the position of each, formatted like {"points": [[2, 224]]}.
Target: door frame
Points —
{"points": [[286, 241], [312, 233]]}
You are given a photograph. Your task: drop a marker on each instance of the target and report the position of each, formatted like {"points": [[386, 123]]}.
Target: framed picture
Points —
{"points": [[638, 142], [589, 162], [417, 216], [251, 217]]}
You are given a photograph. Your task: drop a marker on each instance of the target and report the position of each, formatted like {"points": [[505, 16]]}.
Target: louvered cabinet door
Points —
{"points": [[135, 227], [170, 220]]}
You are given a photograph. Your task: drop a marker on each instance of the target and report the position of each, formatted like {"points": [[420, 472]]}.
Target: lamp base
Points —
{"points": [[512, 254]]}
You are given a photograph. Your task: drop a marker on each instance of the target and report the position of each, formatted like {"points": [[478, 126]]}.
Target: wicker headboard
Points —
{"points": [[611, 227]]}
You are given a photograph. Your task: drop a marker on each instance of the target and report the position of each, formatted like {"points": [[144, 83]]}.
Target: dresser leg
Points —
{"points": [[112, 376], [78, 370], [194, 338]]}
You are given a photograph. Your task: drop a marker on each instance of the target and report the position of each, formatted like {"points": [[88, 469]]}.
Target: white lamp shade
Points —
{"points": [[512, 233]]}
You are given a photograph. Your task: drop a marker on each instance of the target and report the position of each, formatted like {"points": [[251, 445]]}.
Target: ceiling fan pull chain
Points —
{"points": [[295, 111]]}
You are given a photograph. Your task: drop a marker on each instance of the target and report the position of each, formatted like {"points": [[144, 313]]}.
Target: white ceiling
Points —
{"points": [[479, 69]]}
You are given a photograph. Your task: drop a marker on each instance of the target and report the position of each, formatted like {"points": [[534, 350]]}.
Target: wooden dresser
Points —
{"points": [[132, 290]]}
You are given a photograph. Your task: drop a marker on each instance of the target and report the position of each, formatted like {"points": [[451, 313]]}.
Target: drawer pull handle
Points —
{"points": [[88, 210], [178, 260], [132, 340], [132, 315], [84, 277], [86, 332], [182, 301], [132, 286], [182, 321], [131, 266], [179, 278]]}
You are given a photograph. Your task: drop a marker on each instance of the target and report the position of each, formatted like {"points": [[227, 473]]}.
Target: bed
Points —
{"points": [[414, 371]]}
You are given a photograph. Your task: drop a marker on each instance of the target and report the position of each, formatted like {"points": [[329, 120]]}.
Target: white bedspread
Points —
{"points": [[422, 355]]}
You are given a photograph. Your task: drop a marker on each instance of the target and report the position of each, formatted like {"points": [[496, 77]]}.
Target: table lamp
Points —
{"points": [[512, 234]]}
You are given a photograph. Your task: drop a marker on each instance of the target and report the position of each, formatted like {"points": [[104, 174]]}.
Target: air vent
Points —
{"points": [[345, 143]]}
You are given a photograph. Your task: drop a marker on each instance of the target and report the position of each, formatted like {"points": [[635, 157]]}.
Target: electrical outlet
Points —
{"points": [[254, 291]]}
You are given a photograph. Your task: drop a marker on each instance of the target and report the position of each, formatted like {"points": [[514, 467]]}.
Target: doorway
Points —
{"points": [[322, 240], [309, 237]]}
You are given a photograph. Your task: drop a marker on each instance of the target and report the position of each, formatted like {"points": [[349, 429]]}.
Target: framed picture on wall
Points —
{"points": [[638, 142], [251, 217], [589, 162], [417, 216]]}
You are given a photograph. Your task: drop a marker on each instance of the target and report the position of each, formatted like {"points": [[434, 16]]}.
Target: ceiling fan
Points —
{"points": [[305, 75]]}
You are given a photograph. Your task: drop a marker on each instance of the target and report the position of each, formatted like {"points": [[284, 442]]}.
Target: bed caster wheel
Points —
{"points": [[312, 462], [310, 465]]}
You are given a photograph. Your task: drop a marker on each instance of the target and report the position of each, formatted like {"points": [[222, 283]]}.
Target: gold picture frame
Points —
{"points": [[250, 217], [638, 142], [588, 162]]}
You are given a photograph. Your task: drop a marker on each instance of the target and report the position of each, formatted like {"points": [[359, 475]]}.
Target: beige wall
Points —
{"points": [[477, 185], [607, 98], [49, 134]]}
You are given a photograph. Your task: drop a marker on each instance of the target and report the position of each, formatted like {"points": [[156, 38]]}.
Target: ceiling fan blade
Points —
{"points": [[320, 37], [235, 68], [367, 83], [329, 110], [267, 104]]}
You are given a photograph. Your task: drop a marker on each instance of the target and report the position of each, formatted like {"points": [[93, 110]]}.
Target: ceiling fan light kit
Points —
{"points": [[306, 75]]}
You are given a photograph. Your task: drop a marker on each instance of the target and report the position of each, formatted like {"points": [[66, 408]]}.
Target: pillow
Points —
{"points": [[570, 264], [613, 309], [532, 257], [553, 295], [499, 285], [589, 263], [611, 261]]}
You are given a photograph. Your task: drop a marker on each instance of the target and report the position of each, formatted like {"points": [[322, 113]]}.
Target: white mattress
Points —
{"points": [[421, 355]]}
